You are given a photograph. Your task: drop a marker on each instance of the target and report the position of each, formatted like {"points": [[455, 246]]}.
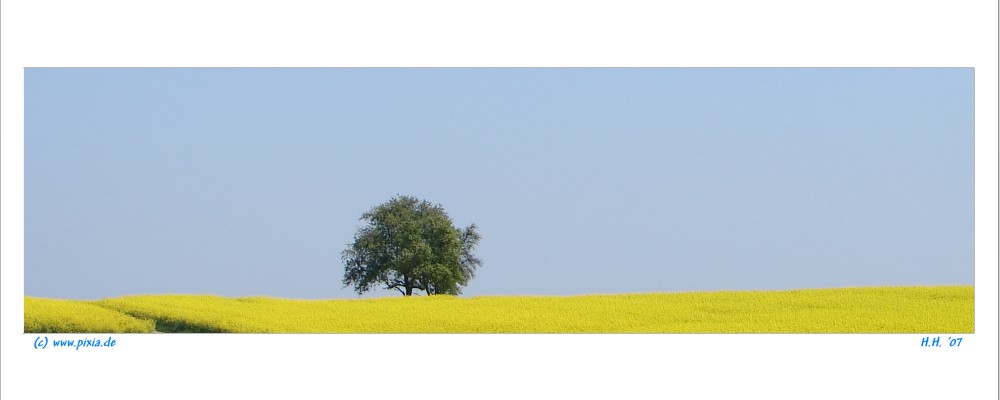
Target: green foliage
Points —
{"points": [[410, 244]]}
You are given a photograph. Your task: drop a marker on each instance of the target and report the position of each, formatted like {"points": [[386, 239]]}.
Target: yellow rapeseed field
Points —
{"points": [[50, 315], [933, 309]]}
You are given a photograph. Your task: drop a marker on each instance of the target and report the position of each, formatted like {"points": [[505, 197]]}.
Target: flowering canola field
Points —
{"points": [[916, 309], [51, 315]]}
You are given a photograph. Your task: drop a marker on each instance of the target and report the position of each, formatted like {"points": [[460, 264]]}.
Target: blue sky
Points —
{"points": [[251, 181]]}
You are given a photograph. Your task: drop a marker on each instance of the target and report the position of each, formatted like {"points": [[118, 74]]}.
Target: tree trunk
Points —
{"points": [[408, 285]]}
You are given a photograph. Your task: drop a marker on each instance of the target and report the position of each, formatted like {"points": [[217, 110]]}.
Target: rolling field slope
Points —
{"points": [[915, 309], [50, 315]]}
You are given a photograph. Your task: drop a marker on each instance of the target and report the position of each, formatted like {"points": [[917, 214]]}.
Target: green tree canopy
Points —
{"points": [[408, 244]]}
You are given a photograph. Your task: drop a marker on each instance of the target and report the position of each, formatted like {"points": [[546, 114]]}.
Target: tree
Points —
{"points": [[410, 244]]}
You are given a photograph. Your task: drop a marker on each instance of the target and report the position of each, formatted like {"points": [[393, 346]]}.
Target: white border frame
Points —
{"points": [[725, 33]]}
